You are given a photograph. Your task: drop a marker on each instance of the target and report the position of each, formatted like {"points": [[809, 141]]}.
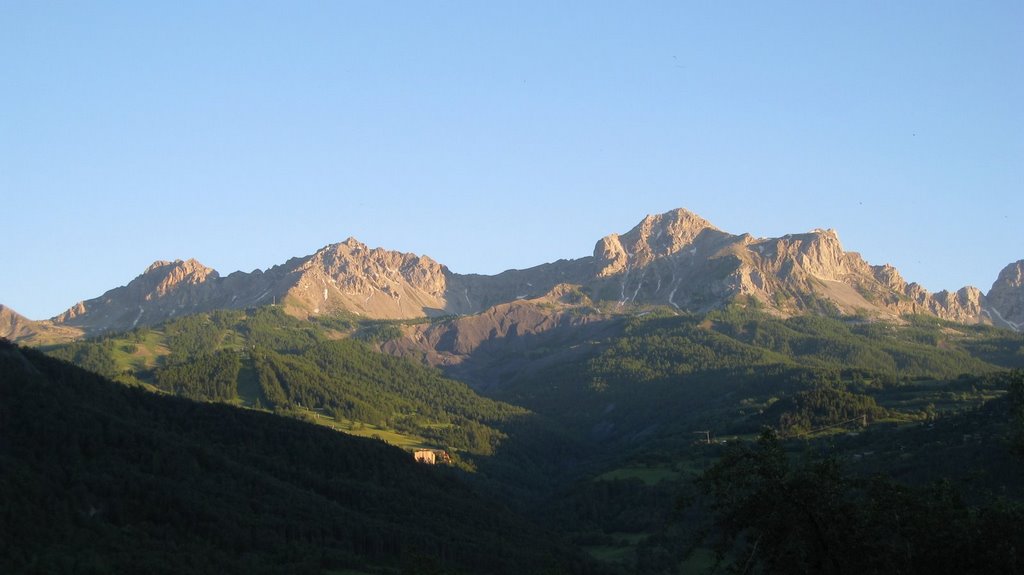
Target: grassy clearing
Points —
{"points": [[405, 441], [140, 355], [249, 392]]}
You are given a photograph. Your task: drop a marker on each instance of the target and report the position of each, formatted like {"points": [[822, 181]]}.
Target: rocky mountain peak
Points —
{"points": [[655, 236], [162, 277], [1004, 303], [163, 285], [350, 243], [669, 231], [680, 259], [818, 253], [1012, 275], [369, 281], [10, 322], [676, 258], [157, 265], [354, 260]]}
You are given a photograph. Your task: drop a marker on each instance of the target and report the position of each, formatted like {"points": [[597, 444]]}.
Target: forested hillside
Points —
{"points": [[99, 477], [735, 370], [775, 513], [600, 431], [265, 359], [660, 402]]}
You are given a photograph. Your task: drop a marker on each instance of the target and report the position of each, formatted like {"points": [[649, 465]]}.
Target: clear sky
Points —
{"points": [[496, 135]]}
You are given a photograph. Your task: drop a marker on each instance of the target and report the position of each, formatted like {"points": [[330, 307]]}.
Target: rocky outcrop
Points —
{"points": [[610, 256], [1004, 303], [485, 348]]}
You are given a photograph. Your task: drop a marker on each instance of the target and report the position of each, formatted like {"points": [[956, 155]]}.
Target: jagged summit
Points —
{"points": [[676, 258], [163, 287], [656, 236], [1004, 303], [665, 234], [167, 276], [1012, 276], [680, 259], [373, 282]]}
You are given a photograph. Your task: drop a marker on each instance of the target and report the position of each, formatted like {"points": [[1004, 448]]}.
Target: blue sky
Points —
{"points": [[494, 135]]}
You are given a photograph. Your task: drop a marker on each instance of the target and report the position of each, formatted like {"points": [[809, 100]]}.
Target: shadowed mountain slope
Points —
{"points": [[100, 477]]}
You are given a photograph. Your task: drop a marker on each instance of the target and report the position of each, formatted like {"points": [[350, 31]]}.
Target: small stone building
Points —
{"points": [[431, 456]]}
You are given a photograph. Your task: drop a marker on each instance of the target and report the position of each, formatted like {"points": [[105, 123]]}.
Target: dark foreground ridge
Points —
{"points": [[99, 477]]}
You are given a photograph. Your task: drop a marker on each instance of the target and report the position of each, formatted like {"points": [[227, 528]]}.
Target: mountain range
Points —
{"points": [[587, 395], [676, 259]]}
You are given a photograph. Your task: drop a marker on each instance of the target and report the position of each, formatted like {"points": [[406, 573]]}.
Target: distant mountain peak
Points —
{"points": [[157, 265], [680, 259], [11, 322], [190, 265], [657, 235], [163, 285], [1012, 275], [1004, 303], [669, 232], [351, 243], [374, 282], [675, 258], [162, 277]]}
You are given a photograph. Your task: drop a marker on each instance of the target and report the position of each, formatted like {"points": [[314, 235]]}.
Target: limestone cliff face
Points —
{"points": [[655, 237], [682, 260], [1004, 303], [347, 276], [963, 306], [611, 256], [162, 289], [374, 283]]}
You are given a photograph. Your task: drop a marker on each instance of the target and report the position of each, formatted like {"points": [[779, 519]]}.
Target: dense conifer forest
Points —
{"points": [[668, 443], [103, 478]]}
